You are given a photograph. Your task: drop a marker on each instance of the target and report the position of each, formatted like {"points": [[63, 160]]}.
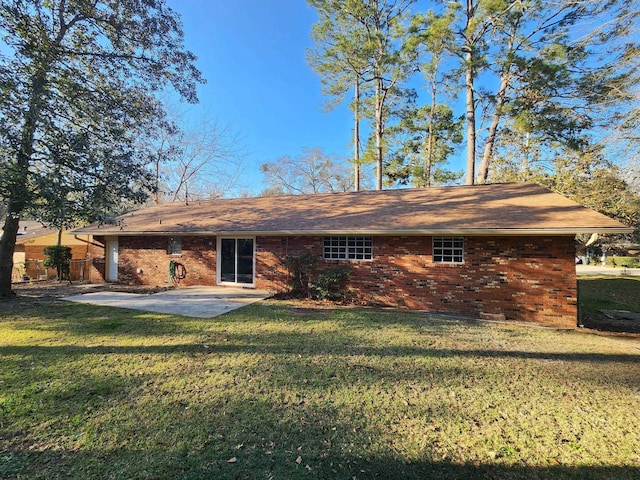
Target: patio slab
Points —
{"points": [[199, 302]]}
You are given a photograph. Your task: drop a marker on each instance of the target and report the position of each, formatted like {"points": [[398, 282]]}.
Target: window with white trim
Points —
{"points": [[448, 249], [348, 248], [174, 246]]}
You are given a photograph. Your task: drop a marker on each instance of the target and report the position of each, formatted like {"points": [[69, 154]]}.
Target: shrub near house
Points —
{"points": [[59, 257]]}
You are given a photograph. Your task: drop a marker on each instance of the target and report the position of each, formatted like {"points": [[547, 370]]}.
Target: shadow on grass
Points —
{"points": [[267, 437], [609, 293], [349, 365], [170, 463], [264, 346], [78, 319], [140, 422]]}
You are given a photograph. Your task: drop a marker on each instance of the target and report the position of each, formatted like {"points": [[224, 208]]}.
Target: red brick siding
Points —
{"points": [[144, 260], [530, 279], [272, 252]]}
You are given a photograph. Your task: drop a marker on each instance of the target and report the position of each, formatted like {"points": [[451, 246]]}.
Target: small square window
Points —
{"points": [[448, 249], [174, 246], [348, 248]]}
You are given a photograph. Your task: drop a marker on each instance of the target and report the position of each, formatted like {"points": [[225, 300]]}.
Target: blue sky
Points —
{"points": [[252, 53]]}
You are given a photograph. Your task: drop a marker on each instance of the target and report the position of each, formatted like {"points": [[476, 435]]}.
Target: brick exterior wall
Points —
{"points": [[145, 261], [526, 279]]}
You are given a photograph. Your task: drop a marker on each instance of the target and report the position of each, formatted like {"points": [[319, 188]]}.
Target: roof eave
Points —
{"points": [[376, 232]]}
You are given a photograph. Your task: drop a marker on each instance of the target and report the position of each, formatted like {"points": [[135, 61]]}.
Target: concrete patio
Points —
{"points": [[200, 302]]}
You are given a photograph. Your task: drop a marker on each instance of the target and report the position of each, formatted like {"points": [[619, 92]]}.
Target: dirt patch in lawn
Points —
{"points": [[56, 289]]}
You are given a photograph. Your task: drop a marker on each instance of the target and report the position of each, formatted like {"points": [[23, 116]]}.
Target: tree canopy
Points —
{"points": [[362, 43], [77, 82], [558, 67], [555, 79], [196, 160]]}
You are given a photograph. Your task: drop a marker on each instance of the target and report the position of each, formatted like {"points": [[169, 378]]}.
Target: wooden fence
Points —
{"points": [[83, 270]]}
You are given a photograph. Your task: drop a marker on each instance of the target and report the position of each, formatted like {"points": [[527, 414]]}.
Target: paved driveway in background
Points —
{"points": [[200, 302], [611, 271]]}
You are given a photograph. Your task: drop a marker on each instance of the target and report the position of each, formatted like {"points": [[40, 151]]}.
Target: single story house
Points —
{"points": [[33, 237], [500, 249], [28, 231]]}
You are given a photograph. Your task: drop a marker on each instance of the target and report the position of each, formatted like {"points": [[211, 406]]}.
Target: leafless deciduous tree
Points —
{"points": [[312, 172], [196, 161]]}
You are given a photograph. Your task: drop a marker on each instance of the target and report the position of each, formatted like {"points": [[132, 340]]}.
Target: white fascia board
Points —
{"points": [[374, 232]]}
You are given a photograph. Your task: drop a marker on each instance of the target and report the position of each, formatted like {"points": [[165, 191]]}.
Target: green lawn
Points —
{"points": [[274, 392], [609, 293]]}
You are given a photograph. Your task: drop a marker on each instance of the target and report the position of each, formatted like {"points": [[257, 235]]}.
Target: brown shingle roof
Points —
{"points": [[511, 208], [30, 229]]}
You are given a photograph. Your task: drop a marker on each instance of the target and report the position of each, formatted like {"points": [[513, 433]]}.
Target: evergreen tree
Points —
{"points": [[77, 81], [428, 134], [428, 137], [339, 60], [382, 61], [543, 68]]}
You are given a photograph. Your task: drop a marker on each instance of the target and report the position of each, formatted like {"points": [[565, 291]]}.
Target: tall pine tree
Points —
{"points": [[378, 57]]}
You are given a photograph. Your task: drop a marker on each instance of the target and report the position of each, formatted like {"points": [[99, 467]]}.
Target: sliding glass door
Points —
{"points": [[236, 260]]}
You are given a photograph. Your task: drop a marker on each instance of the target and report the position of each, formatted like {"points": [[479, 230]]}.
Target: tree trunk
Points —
{"points": [[430, 141], [467, 49], [19, 191], [483, 173], [526, 163], [157, 173], [356, 137], [7, 247], [379, 133], [471, 119]]}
